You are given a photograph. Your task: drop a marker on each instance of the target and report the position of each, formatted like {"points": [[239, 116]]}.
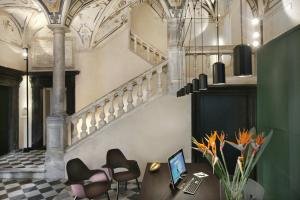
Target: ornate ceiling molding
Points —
{"points": [[76, 6], [54, 9]]}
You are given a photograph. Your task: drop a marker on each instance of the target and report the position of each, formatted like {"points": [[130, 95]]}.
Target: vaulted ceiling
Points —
{"points": [[92, 21]]}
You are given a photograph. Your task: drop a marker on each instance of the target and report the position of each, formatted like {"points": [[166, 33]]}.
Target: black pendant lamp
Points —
{"points": [[218, 67], [242, 54], [195, 81], [181, 91], [202, 77], [189, 86]]}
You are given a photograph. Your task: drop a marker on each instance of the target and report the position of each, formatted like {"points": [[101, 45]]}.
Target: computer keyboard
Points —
{"points": [[192, 186]]}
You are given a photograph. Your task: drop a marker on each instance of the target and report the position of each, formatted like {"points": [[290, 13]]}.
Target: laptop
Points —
{"points": [[178, 172]]}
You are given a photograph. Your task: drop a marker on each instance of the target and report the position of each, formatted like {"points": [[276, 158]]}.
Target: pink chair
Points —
{"points": [[86, 183]]}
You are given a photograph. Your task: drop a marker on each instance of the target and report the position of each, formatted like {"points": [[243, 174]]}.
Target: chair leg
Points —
{"points": [[138, 184], [118, 190], [107, 196], [125, 185]]}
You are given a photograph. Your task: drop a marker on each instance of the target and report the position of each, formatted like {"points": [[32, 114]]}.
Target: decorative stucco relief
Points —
{"points": [[9, 31]]}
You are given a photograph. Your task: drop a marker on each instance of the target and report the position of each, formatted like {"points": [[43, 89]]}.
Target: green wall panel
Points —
{"points": [[278, 93]]}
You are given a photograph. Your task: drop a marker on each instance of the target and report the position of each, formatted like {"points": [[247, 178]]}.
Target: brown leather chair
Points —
{"points": [[78, 173], [116, 159]]}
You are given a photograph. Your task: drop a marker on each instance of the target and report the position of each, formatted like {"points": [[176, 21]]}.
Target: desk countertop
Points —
{"points": [[155, 185]]}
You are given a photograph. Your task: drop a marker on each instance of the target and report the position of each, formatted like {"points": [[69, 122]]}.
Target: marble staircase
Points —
{"points": [[117, 104]]}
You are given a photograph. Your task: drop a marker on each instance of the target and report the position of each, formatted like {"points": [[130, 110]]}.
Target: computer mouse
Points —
{"points": [[154, 167]]}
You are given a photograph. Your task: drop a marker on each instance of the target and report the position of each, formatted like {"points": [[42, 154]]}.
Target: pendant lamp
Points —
{"points": [[202, 77], [189, 88], [242, 54], [195, 81], [218, 67]]}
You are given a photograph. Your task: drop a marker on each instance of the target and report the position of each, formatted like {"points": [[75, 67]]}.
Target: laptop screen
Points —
{"points": [[177, 166]]}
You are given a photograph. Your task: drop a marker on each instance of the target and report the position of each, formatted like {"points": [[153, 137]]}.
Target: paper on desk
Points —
{"points": [[200, 175]]}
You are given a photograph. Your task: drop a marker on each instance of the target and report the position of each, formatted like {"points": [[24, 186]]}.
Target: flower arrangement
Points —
{"points": [[251, 146]]}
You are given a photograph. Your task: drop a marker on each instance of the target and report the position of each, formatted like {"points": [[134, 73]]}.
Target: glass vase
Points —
{"points": [[228, 193]]}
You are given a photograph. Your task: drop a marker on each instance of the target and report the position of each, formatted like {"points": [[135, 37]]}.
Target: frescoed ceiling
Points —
{"points": [[90, 21]]}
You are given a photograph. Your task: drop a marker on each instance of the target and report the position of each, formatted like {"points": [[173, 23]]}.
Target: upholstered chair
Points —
{"points": [[86, 183], [115, 160]]}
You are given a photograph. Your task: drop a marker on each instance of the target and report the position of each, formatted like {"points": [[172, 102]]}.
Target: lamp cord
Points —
{"points": [[202, 32], [195, 41], [218, 43], [241, 13]]}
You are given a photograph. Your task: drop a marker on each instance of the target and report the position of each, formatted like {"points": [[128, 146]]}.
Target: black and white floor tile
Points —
{"points": [[32, 159], [30, 189], [54, 190]]}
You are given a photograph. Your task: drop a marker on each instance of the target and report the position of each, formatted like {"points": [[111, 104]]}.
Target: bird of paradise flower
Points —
{"points": [[250, 145]]}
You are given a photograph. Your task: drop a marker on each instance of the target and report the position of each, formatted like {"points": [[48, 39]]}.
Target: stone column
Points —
{"points": [[56, 123], [175, 56]]}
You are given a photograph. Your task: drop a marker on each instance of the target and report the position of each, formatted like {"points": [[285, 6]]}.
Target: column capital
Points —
{"points": [[56, 28]]}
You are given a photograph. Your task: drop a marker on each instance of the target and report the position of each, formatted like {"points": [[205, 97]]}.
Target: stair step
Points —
{"points": [[20, 173]]}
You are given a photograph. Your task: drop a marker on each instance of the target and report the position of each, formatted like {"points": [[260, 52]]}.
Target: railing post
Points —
{"points": [[75, 131], [83, 126], [93, 120], [111, 110], [121, 103], [149, 89], [148, 53], [102, 121], [134, 43], [130, 99], [140, 91], [159, 80]]}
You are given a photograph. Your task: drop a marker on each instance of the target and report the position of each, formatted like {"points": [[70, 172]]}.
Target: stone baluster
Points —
{"points": [[93, 119], [159, 79], [83, 126], [134, 43], [121, 103], [149, 89], [139, 91], [75, 130], [111, 109], [148, 53], [102, 121], [129, 98]]}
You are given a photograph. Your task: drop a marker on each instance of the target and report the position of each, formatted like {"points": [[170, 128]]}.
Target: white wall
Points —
{"points": [[106, 68], [22, 115], [149, 26], [151, 133], [11, 57], [281, 18]]}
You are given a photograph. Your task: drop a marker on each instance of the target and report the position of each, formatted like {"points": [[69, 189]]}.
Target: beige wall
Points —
{"points": [[149, 26], [106, 68], [11, 57], [281, 18], [150, 133]]}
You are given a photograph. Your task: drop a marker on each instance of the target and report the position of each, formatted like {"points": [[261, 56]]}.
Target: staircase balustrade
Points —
{"points": [[145, 50], [116, 103]]}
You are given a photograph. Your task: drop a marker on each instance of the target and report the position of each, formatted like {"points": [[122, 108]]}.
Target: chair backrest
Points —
{"points": [[77, 170], [253, 190], [116, 159]]}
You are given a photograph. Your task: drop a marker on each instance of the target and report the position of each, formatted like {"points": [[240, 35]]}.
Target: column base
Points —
{"points": [[56, 140], [55, 164], [173, 87]]}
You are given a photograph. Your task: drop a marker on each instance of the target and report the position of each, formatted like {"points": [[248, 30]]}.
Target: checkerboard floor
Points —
{"points": [[32, 159], [30, 189], [55, 190]]}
